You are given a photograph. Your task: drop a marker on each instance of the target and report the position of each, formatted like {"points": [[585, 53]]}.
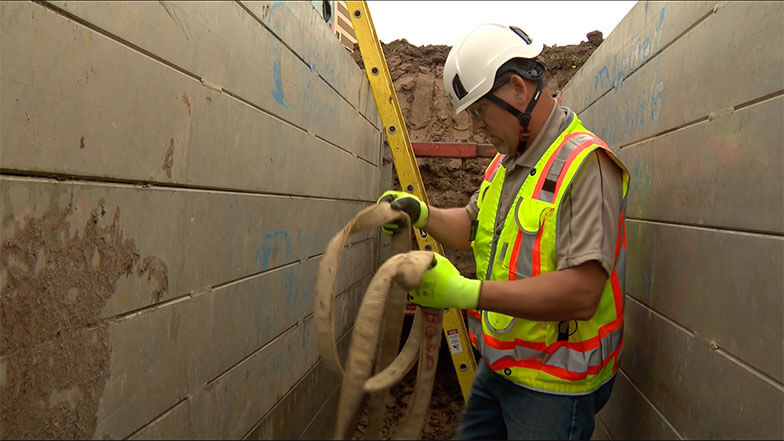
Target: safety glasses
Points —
{"points": [[475, 110]]}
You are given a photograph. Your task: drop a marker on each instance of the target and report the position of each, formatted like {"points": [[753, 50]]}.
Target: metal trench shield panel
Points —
{"points": [[309, 40], [696, 75], [313, 392], [719, 173], [231, 405], [701, 391], [204, 238], [647, 29], [282, 58], [723, 286], [118, 113], [631, 416], [161, 355], [209, 326]]}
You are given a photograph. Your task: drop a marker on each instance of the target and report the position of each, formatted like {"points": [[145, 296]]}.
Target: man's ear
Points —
{"points": [[520, 88]]}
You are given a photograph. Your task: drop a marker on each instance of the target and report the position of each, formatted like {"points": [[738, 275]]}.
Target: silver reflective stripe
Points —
{"points": [[518, 353], [475, 326], [620, 268], [546, 196], [555, 168], [576, 361], [558, 163], [563, 357], [525, 256], [552, 175], [498, 331], [516, 217]]}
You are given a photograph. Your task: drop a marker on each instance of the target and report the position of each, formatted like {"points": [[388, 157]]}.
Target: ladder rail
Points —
{"points": [[404, 160]]}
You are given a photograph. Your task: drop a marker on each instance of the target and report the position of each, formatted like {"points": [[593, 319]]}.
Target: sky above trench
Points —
{"points": [[443, 22]]}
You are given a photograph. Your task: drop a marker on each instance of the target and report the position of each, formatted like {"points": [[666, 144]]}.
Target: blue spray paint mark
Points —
{"points": [[271, 244], [277, 77], [641, 52]]}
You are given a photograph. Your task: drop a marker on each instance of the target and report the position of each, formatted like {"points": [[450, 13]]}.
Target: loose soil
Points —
{"points": [[416, 73]]}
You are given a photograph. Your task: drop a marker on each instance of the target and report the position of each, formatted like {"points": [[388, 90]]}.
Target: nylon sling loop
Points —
{"points": [[382, 306]]}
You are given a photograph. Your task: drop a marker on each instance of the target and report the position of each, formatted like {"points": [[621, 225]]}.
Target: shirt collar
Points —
{"points": [[550, 130]]}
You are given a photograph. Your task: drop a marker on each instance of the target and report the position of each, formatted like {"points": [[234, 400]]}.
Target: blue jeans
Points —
{"points": [[500, 409]]}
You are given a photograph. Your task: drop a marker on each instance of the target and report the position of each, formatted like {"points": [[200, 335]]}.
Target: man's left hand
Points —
{"points": [[443, 286]]}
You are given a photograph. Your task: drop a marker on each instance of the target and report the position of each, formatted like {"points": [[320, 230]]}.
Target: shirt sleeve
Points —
{"points": [[471, 207], [589, 217]]}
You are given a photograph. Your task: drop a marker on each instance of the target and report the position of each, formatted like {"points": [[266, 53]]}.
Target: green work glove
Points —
{"points": [[443, 286], [412, 205]]}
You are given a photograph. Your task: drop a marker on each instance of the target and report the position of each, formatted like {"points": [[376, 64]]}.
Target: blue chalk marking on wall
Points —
{"points": [[273, 7], [642, 50], [277, 77], [271, 246]]}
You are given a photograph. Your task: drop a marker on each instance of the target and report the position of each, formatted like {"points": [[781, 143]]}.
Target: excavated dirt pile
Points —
{"points": [[416, 73]]}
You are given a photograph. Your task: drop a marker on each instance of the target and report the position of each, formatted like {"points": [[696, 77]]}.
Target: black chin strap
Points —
{"points": [[523, 117]]}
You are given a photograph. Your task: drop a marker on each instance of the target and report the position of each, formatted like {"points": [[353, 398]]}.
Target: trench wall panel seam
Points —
{"points": [[90, 181], [108, 34]]}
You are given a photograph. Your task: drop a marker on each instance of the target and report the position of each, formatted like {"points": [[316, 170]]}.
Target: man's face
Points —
{"points": [[500, 127]]}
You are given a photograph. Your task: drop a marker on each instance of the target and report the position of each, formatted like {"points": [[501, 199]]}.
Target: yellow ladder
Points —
{"points": [[407, 171]]}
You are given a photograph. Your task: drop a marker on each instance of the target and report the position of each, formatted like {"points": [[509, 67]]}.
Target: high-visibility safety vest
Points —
{"points": [[565, 358]]}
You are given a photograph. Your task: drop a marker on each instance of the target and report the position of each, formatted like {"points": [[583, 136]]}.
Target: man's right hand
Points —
{"points": [[412, 205]]}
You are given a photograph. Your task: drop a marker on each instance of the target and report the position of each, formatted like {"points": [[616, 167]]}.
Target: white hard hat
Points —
{"points": [[471, 66]]}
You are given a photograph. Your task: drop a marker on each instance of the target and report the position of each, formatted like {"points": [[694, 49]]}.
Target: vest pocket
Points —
{"points": [[499, 323], [530, 215], [518, 243]]}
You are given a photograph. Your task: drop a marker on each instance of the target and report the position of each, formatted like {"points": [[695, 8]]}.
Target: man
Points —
{"points": [[546, 227]]}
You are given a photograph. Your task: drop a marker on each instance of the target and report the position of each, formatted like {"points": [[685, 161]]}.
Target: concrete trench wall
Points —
{"points": [[171, 173], [690, 94]]}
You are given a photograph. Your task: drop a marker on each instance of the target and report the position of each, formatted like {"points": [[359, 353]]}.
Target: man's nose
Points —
{"points": [[477, 123]]}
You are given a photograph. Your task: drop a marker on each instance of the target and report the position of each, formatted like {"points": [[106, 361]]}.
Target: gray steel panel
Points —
{"points": [[628, 416], [724, 286], [118, 114], [645, 30], [297, 410], [230, 406], [700, 391], [698, 75], [323, 425], [202, 238], [345, 76], [229, 50], [728, 172], [197, 349], [158, 356], [305, 32], [599, 432]]}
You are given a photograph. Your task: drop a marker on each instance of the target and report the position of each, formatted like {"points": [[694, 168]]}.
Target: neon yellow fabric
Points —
{"points": [[529, 352]]}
